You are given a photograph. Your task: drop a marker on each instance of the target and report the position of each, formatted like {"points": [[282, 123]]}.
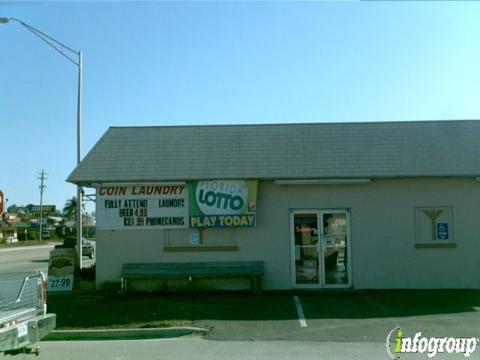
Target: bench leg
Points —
{"points": [[123, 284]]}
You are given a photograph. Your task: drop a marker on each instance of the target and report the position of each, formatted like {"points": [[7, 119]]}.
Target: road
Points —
{"points": [[24, 259], [16, 262], [29, 258]]}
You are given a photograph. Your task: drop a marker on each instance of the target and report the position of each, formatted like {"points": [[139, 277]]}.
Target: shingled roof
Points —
{"points": [[284, 151]]}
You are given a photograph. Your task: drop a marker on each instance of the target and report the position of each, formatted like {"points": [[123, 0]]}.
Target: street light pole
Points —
{"points": [[79, 158], [67, 52], [5, 206]]}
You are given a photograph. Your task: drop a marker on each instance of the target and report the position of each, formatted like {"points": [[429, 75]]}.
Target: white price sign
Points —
{"points": [[61, 270], [60, 283]]}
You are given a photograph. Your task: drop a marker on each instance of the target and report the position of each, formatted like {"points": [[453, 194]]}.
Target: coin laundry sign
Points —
{"points": [[223, 203], [142, 206]]}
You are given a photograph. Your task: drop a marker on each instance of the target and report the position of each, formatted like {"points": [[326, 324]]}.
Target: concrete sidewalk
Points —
{"points": [[200, 349]]}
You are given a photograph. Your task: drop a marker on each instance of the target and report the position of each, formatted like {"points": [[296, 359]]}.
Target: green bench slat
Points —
{"points": [[252, 269], [178, 270]]}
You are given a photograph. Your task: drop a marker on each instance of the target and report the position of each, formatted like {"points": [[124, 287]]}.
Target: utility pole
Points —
{"points": [[42, 177]]}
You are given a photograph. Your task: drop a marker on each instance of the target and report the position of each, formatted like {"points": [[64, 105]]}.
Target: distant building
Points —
{"points": [[17, 229], [8, 233], [330, 205]]}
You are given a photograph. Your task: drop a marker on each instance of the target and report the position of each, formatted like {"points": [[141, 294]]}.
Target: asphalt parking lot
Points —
{"points": [[355, 316]]}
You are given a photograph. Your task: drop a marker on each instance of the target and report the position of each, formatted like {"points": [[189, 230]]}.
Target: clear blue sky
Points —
{"points": [[163, 63]]}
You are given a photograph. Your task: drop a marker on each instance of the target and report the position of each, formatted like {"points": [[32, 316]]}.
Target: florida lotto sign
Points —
{"points": [[223, 203]]}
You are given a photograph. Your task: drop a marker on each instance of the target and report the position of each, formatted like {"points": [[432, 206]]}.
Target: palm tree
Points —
{"points": [[70, 209], [70, 214], [29, 208]]}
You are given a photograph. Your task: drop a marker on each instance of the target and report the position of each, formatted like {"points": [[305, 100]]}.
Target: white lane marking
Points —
{"points": [[301, 316]]}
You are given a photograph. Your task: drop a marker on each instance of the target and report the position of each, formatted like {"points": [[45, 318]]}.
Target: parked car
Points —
{"points": [[88, 248]]}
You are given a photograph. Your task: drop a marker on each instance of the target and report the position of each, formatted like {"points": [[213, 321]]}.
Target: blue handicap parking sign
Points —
{"points": [[442, 231]]}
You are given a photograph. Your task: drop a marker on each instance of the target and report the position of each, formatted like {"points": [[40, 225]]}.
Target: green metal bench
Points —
{"points": [[252, 270]]}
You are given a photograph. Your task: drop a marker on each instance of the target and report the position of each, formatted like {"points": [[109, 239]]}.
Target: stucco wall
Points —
{"points": [[382, 235]]}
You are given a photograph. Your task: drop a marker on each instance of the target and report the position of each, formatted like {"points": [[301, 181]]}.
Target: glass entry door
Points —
{"points": [[306, 248], [335, 234], [320, 246]]}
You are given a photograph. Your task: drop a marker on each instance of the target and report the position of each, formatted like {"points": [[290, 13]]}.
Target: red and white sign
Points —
{"points": [[2, 202]]}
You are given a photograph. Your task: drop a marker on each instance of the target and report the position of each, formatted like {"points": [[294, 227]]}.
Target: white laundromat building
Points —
{"points": [[326, 205]]}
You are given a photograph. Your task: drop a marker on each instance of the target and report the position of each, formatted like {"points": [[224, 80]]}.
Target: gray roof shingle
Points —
{"points": [[284, 151]]}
